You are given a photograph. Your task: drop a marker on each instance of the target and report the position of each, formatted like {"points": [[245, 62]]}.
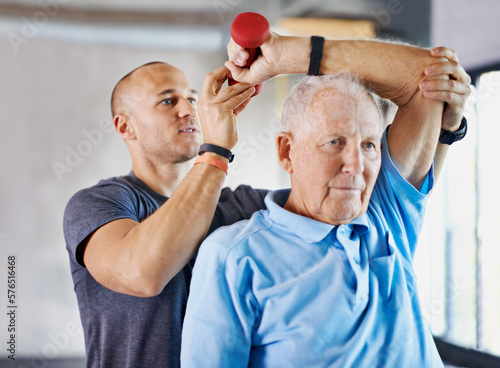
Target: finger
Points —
{"points": [[233, 91], [444, 52], [453, 100], [236, 53], [445, 85], [452, 68], [242, 106], [235, 101], [213, 81], [236, 72], [233, 48]]}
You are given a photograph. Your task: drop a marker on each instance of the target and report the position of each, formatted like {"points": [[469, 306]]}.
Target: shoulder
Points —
{"points": [[120, 191], [238, 204], [110, 199], [230, 242], [243, 194]]}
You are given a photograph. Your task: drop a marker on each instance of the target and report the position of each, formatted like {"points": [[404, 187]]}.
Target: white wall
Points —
{"points": [[470, 27]]}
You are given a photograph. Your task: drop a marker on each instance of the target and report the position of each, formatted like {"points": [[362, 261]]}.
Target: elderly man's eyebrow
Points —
{"points": [[173, 90]]}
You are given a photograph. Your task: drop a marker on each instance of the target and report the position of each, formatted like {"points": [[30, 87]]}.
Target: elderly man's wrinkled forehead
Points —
{"points": [[333, 95], [315, 94]]}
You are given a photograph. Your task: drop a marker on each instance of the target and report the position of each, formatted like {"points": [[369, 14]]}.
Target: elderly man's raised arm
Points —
{"points": [[414, 134], [404, 74], [392, 70]]}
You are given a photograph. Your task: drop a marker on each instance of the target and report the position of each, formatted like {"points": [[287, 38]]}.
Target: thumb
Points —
{"points": [[237, 73]]}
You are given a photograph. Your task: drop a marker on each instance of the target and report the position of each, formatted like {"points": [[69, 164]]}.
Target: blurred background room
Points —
{"points": [[59, 61]]}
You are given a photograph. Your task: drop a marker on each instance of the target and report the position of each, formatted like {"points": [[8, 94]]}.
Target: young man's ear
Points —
{"points": [[283, 146], [123, 127]]}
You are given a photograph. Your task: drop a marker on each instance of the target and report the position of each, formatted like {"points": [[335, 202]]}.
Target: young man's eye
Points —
{"points": [[167, 101], [192, 101]]}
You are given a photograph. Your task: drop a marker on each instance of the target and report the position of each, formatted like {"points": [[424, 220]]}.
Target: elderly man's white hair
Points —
{"points": [[297, 104]]}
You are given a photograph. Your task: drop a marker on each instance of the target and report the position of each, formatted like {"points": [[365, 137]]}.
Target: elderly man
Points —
{"points": [[132, 239], [323, 277]]}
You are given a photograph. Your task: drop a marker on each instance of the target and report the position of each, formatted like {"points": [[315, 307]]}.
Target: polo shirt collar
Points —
{"points": [[310, 230]]}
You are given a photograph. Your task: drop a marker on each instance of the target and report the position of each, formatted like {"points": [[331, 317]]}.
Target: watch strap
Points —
{"points": [[447, 137], [316, 55], [207, 147]]}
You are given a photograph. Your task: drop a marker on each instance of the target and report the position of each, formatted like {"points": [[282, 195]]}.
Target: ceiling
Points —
{"points": [[469, 27], [386, 14], [221, 9]]}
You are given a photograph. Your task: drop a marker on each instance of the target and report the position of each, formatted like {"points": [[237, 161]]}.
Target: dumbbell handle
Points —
{"points": [[250, 30]]}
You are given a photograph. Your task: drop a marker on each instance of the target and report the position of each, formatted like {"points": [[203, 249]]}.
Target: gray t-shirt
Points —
{"points": [[122, 330]]}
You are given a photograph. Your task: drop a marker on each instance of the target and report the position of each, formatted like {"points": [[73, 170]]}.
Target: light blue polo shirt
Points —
{"points": [[283, 290]]}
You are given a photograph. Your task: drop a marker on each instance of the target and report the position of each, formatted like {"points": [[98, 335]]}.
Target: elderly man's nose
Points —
{"points": [[353, 161]]}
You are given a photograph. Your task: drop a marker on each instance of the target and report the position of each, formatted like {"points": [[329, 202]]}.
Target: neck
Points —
{"points": [[293, 204], [297, 203], [162, 179]]}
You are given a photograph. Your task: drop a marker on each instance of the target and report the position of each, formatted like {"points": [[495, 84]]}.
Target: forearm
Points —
{"points": [[413, 137], [392, 70], [141, 258], [174, 233], [439, 158]]}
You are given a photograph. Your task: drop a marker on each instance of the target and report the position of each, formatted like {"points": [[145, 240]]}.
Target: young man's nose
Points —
{"points": [[186, 109]]}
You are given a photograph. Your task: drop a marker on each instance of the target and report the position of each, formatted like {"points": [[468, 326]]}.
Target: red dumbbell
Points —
{"points": [[250, 30]]}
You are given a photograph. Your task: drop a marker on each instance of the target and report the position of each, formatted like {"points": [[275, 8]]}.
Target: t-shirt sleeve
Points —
{"points": [[91, 208], [402, 204]]}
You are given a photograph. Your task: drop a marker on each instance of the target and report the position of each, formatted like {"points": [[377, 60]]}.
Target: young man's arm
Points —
{"points": [[141, 258]]}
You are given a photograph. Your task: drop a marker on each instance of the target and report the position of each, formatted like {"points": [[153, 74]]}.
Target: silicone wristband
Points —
{"points": [[212, 161], [316, 55], [207, 147]]}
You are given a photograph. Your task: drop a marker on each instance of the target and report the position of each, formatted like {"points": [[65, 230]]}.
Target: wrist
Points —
{"points": [[450, 136], [452, 127], [217, 156], [295, 55], [316, 55], [216, 149], [213, 162]]}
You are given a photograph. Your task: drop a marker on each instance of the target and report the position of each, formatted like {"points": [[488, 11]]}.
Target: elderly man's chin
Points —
{"points": [[340, 212]]}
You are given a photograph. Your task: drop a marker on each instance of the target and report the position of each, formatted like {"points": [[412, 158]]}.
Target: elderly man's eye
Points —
{"points": [[335, 142], [369, 145]]}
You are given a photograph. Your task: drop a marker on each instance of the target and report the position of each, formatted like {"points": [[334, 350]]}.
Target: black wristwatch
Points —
{"points": [[207, 147], [447, 137]]}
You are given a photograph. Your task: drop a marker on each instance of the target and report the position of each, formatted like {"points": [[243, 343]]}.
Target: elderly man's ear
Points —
{"points": [[284, 141], [123, 126]]}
